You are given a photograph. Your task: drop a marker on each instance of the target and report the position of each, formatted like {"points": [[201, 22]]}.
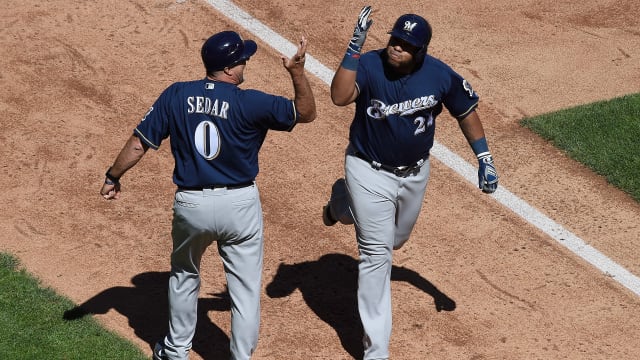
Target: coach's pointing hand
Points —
{"points": [[304, 100], [295, 64]]}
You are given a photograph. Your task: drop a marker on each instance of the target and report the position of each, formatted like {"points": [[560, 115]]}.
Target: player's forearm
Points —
{"points": [[128, 157], [343, 87], [472, 127], [304, 100], [474, 132]]}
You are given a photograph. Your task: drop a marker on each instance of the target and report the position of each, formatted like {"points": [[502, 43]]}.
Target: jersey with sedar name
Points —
{"points": [[394, 121], [216, 130]]}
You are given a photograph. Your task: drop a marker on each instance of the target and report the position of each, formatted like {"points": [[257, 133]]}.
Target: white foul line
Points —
{"points": [[449, 158]]}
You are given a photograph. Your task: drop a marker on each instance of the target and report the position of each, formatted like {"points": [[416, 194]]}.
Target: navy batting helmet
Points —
{"points": [[226, 49], [415, 30]]}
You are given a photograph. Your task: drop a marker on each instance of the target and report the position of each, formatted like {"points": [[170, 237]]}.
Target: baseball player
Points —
{"points": [[216, 130], [398, 91]]}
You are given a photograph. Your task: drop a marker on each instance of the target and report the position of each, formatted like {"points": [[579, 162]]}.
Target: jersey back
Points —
{"points": [[216, 130]]}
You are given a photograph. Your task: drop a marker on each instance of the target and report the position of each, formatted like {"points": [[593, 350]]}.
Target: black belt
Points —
{"points": [[401, 171], [212, 187]]}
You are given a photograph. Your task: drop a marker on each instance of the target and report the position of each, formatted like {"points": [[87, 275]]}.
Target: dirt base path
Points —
{"points": [[475, 281]]}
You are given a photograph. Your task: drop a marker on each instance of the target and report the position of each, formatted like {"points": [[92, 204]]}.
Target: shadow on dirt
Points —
{"points": [[329, 285], [146, 306]]}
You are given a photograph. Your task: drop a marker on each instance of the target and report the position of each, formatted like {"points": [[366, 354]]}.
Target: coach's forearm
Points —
{"points": [[304, 100], [128, 157]]}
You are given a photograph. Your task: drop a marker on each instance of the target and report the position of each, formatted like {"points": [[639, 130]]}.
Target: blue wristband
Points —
{"points": [[350, 61], [480, 146]]}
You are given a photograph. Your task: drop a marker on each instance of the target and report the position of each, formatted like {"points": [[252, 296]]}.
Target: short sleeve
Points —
{"points": [[154, 126], [268, 111], [461, 99]]}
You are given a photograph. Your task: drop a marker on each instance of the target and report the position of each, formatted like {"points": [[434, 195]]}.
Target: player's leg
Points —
{"points": [[189, 243], [373, 205], [337, 209], [410, 199], [242, 257]]}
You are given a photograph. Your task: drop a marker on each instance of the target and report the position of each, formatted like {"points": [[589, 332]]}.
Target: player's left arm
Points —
{"points": [[471, 126], [131, 153], [473, 131]]}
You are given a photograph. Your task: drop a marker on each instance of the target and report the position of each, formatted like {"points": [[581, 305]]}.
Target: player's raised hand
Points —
{"points": [[487, 174], [296, 62], [360, 30]]}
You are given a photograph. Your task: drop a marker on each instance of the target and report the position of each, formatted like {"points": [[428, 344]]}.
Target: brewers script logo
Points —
{"points": [[379, 110], [408, 25]]}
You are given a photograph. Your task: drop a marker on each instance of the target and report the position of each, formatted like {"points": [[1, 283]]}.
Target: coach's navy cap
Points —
{"points": [[226, 49]]}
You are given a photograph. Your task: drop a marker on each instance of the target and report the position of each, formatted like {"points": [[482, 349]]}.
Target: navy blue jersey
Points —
{"points": [[216, 130], [395, 115]]}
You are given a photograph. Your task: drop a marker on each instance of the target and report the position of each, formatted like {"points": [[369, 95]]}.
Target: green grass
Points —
{"points": [[32, 326], [605, 136]]}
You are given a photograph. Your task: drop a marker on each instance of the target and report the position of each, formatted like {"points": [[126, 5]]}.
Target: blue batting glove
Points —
{"points": [[487, 174], [352, 55], [360, 31]]}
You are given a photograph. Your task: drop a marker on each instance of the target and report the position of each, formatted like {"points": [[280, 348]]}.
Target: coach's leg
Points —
{"points": [[242, 256], [189, 244]]}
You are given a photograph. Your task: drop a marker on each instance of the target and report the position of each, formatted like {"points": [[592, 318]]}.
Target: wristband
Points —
{"points": [[113, 179], [350, 61], [480, 147]]}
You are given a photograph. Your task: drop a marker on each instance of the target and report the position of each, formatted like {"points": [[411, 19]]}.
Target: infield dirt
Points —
{"points": [[78, 75]]}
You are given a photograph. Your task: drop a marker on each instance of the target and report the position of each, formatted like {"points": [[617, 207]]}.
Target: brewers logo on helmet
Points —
{"points": [[415, 30]]}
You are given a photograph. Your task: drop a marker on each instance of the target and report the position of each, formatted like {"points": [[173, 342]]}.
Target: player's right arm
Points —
{"points": [[343, 85]]}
